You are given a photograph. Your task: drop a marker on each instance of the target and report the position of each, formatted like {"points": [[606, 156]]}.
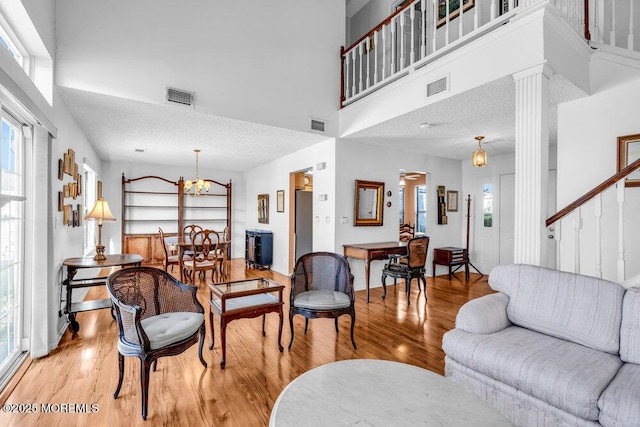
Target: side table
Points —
{"points": [[106, 267], [451, 257], [242, 300]]}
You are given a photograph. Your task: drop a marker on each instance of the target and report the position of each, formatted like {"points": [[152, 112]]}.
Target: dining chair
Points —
{"points": [[408, 268], [322, 287], [188, 231], [407, 231], [157, 316], [171, 255], [204, 245]]}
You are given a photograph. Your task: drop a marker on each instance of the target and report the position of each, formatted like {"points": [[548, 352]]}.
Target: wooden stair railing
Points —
{"points": [[622, 174]]}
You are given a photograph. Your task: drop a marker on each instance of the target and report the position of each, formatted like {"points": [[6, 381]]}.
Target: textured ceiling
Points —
{"points": [[117, 126], [487, 111]]}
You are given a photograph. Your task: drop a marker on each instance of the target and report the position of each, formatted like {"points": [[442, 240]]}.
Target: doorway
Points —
{"points": [[301, 226]]}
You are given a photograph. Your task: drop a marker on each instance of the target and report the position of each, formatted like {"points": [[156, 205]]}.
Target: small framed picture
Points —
{"points": [[452, 201], [280, 201]]}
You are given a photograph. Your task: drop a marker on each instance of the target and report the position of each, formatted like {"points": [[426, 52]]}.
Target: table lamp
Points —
{"points": [[100, 212]]}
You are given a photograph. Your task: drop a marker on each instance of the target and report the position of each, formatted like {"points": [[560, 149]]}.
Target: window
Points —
{"points": [[11, 241], [9, 43], [487, 205], [421, 209], [89, 191]]}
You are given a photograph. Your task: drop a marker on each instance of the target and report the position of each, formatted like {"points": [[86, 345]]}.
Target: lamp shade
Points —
{"points": [[101, 211]]}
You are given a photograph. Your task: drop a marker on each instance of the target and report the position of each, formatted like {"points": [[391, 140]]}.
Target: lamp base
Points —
{"points": [[100, 256]]}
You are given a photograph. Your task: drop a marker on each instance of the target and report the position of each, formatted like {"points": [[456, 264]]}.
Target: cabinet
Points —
{"points": [[149, 202], [451, 257], [258, 250]]}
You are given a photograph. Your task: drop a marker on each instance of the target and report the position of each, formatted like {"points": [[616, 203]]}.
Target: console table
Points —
{"points": [[451, 257], [106, 267], [373, 251]]}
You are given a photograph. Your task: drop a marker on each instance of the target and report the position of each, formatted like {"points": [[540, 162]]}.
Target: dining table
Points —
{"points": [[184, 244]]}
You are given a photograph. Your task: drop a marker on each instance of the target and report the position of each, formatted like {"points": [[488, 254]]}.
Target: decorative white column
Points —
{"points": [[531, 164]]}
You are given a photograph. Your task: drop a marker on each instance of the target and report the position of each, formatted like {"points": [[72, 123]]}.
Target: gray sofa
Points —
{"points": [[551, 348]]}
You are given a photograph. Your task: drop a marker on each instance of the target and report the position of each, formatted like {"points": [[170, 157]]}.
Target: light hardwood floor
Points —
{"points": [[181, 392]]}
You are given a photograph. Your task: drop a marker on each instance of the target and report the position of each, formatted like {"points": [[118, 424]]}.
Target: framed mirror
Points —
{"points": [[629, 152], [368, 204], [263, 208]]}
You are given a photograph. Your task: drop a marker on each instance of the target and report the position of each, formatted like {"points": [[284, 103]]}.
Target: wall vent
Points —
{"points": [[317, 125], [178, 96], [437, 86]]}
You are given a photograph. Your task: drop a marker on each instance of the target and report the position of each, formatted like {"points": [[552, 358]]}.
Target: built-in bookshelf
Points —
{"points": [[149, 202]]}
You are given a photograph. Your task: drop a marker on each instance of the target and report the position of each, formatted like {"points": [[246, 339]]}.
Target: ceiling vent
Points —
{"points": [[437, 87], [317, 125], [181, 97]]}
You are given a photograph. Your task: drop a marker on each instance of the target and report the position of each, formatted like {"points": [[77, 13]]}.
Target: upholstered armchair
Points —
{"points": [[322, 286], [157, 316]]}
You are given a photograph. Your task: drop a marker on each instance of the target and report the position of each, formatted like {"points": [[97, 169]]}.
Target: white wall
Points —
{"points": [[67, 241], [274, 176], [587, 144], [358, 161], [285, 55], [112, 191]]}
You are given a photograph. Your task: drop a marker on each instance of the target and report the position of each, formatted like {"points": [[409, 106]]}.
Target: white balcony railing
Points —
{"points": [[422, 30]]}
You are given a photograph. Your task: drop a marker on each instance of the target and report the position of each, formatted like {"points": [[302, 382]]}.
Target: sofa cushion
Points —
{"points": [[322, 299], [563, 374], [630, 328], [582, 309], [170, 328], [484, 315], [620, 403]]}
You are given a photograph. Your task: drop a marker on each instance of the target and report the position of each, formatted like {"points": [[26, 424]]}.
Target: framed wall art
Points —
{"points": [[629, 152]]}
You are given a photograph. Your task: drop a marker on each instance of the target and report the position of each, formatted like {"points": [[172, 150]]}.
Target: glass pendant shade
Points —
{"points": [[479, 157], [195, 187]]}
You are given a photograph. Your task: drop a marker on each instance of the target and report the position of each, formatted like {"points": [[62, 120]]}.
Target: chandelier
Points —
{"points": [[479, 157], [195, 187]]}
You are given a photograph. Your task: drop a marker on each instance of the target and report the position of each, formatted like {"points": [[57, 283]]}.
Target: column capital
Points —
{"points": [[542, 68]]}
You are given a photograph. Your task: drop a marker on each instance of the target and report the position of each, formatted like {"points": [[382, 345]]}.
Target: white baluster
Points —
{"points": [[412, 54], [601, 20], [630, 36], [384, 52], [360, 55], [620, 199], [423, 33], [353, 82], [402, 63], [394, 40], [447, 26], [558, 237], [598, 214], [476, 17], [369, 53], [612, 33], [435, 25], [577, 225], [511, 5], [347, 63], [375, 58], [460, 21], [593, 20], [493, 14]]}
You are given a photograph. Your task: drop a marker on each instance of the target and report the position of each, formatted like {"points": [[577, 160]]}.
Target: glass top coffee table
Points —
{"points": [[369, 392], [242, 300]]}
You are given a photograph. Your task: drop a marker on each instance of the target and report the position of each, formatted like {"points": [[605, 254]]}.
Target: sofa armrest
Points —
{"points": [[484, 315]]}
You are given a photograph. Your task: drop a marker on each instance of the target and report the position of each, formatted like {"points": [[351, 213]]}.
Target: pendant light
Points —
{"points": [[479, 157]]}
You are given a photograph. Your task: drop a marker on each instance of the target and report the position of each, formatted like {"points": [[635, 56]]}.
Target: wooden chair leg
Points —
{"points": [[384, 286], [337, 332], [291, 327], [213, 335], [120, 375], [202, 333], [264, 316], [306, 325], [154, 365], [353, 324], [144, 384]]}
